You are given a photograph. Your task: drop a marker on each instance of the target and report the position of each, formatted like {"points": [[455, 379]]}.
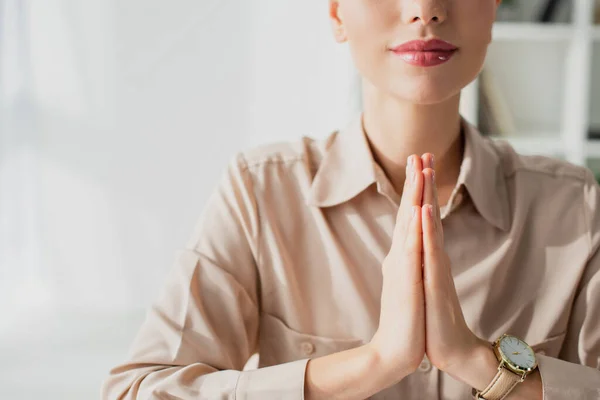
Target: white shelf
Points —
{"points": [[535, 144], [532, 31], [574, 43], [592, 148]]}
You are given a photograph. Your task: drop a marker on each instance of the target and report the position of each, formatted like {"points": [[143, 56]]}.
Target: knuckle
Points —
{"points": [[430, 258], [432, 246], [411, 253]]}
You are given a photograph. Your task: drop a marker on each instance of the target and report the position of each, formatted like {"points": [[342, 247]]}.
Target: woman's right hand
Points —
{"points": [[398, 346], [400, 338]]}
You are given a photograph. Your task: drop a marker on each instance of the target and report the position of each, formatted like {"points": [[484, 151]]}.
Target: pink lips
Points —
{"points": [[425, 53]]}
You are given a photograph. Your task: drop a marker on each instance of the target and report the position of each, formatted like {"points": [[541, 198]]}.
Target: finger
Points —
{"points": [[427, 160], [431, 248], [430, 196], [413, 182], [413, 246], [411, 195], [437, 211], [429, 192]]}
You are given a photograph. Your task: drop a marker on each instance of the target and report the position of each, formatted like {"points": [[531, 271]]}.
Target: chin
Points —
{"points": [[425, 91]]}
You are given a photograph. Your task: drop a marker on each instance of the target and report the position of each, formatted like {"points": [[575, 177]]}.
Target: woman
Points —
{"points": [[357, 268]]}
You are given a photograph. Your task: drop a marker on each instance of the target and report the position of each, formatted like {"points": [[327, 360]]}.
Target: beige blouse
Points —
{"points": [[285, 261]]}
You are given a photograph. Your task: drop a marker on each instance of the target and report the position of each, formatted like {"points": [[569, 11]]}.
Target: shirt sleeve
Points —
{"points": [[204, 327], [576, 375]]}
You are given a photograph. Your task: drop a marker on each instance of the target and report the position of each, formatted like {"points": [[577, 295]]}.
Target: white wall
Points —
{"points": [[132, 109], [188, 85]]}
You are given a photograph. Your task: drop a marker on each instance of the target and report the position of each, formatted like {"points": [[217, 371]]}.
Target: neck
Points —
{"points": [[398, 129]]}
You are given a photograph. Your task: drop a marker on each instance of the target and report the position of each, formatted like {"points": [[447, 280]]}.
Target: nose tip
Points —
{"points": [[425, 20], [427, 12], [435, 18]]}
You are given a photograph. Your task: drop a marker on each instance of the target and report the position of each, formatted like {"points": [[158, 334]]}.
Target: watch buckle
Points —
{"points": [[523, 376], [501, 365]]}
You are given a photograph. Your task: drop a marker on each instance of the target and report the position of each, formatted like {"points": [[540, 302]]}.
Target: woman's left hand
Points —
{"points": [[450, 344]]}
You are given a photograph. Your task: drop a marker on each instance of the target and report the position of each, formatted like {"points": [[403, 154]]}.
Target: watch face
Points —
{"points": [[517, 352]]}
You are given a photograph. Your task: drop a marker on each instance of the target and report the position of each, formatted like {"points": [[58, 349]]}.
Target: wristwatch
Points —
{"points": [[517, 360]]}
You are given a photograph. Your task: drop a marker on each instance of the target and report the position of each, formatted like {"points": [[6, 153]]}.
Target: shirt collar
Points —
{"points": [[348, 168], [482, 174]]}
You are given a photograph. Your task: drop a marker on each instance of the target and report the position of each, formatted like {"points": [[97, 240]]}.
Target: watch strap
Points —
{"points": [[501, 386]]}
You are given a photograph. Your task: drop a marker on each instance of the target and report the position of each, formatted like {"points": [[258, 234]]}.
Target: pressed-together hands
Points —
{"points": [[420, 311]]}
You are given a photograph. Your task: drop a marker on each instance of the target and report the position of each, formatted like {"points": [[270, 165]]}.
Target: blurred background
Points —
{"points": [[117, 118]]}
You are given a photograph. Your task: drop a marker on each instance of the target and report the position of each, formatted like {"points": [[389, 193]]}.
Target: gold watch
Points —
{"points": [[517, 360]]}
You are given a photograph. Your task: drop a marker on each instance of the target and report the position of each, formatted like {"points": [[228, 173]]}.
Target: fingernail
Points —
{"points": [[414, 212], [432, 161], [430, 211], [433, 176]]}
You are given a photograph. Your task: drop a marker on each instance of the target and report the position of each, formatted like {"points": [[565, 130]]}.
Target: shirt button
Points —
{"points": [[425, 365], [307, 348]]}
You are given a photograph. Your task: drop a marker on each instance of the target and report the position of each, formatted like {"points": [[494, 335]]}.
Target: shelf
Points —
{"points": [[532, 31], [592, 148], [535, 144]]}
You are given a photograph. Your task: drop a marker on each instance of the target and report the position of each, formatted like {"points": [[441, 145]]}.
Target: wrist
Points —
{"points": [[477, 367], [393, 368], [357, 373], [480, 366]]}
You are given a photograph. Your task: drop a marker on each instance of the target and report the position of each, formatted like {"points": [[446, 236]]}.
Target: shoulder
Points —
{"points": [[277, 169], [552, 185], [306, 151], [540, 168]]}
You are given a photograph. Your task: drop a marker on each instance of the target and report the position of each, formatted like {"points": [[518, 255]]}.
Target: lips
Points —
{"points": [[425, 53], [423, 46]]}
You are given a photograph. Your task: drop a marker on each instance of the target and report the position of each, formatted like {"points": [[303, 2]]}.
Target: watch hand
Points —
{"points": [[511, 347], [515, 352]]}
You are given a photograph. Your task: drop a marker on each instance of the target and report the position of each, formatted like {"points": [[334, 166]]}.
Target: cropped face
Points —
{"points": [[421, 51]]}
